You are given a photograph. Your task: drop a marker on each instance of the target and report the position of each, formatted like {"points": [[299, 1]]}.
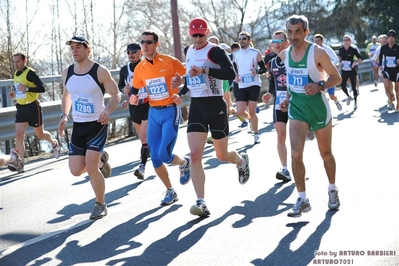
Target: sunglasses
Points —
{"points": [[346, 40], [197, 35], [132, 51], [147, 42], [277, 41], [243, 39]]}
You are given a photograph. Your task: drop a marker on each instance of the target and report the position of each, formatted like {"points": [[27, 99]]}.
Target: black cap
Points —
{"points": [[133, 46], [391, 33], [78, 39]]}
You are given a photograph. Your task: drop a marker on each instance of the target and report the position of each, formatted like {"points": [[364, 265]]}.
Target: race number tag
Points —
{"points": [[19, 94], [280, 96], [196, 83], [157, 88], [346, 65], [142, 93], [390, 61], [84, 105], [247, 79], [297, 79]]}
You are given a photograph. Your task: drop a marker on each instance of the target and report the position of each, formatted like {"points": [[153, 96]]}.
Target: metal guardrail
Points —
{"points": [[52, 110]]}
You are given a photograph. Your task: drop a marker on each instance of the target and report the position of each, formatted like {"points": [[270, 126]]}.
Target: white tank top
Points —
{"points": [[87, 94], [247, 59], [202, 85]]}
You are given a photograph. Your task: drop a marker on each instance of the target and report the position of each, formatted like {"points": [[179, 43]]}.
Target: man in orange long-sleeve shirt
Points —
{"points": [[155, 73]]}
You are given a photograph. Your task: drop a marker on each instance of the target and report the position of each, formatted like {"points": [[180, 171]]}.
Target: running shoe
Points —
{"points": [[333, 200], [299, 207], [243, 172], [243, 124], [339, 106], [17, 164], [348, 100], [209, 140], [170, 197], [310, 135], [57, 150], [106, 169], [139, 172], [100, 210], [257, 110], [200, 209], [375, 83], [283, 175], [185, 171], [391, 106], [256, 139]]}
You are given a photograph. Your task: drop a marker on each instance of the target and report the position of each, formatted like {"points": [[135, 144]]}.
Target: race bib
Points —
{"points": [[247, 79], [390, 61], [280, 96], [196, 83], [84, 105], [19, 94], [157, 88], [297, 79], [142, 93], [346, 65]]}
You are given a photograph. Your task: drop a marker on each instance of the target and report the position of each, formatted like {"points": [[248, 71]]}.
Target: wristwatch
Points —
{"points": [[203, 71], [322, 84], [63, 115]]}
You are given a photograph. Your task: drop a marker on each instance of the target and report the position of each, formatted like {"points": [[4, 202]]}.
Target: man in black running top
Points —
{"points": [[389, 56], [138, 113]]}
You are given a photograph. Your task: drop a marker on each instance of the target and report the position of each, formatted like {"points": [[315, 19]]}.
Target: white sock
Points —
{"points": [[302, 195], [332, 187], [285, 168]]}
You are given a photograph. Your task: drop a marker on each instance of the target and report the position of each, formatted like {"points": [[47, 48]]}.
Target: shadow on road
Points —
{"points": [[303, 256]]}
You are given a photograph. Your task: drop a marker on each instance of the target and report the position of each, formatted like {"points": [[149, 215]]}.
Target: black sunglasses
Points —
{"points": [[243, 39], [132, 51], [147, 42], [197, 35]]}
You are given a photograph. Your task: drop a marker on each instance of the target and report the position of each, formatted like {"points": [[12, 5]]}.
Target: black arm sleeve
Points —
{"points": [[183, 90], [220, 57], [262, 67], [33, 77], [122, 78], [358, 55]]}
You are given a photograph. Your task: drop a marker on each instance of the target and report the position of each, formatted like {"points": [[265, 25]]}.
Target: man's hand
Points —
{"points": [[312, 88], [125, 103], [11, 94], [177, 99], [134, 100], [195, 71], [62, 125], [104, 117], [176, 81], [284, 105], [126, 89], [266, 97]]}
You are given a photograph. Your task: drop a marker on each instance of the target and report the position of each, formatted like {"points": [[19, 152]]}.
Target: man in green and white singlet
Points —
{"points": [[308, 66]]}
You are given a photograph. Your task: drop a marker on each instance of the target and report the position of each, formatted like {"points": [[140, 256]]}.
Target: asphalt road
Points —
{"points": [[44, 212]]}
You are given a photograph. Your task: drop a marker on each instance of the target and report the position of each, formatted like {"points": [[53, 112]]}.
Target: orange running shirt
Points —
{"points": [[157, 78]]}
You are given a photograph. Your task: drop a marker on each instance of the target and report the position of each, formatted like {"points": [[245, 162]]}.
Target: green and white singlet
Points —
{"points": [[312, 109]]}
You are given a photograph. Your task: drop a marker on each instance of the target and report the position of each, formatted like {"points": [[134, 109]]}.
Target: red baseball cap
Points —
{"points": [[198, 26]]}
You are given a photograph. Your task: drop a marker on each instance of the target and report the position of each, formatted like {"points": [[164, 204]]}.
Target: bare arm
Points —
{"points": [[66, 105], [323, 62], [111, 88]]}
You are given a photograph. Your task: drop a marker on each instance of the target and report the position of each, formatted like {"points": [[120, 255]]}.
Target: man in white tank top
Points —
{"points": [[249, 65], [85, 83]]}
